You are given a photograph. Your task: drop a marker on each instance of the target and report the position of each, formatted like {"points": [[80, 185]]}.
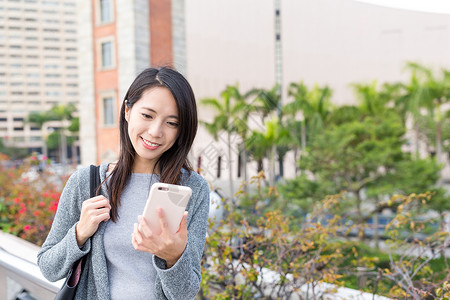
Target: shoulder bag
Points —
{"points": [[68, 289]]}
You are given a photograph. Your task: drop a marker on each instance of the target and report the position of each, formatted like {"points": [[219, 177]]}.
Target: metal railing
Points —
{"points": [[19, 271]]}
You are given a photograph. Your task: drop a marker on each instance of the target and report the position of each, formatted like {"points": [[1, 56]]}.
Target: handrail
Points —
{"points": [[18, 261]]}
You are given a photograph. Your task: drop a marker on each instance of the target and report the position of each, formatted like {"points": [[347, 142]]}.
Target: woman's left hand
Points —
{"points": [[167, 245]]}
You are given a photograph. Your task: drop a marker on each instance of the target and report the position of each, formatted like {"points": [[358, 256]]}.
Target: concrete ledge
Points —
{"points": [[18, 261]]}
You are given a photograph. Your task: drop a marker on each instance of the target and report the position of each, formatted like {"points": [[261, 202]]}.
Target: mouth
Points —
{"points": [[150, 144]]}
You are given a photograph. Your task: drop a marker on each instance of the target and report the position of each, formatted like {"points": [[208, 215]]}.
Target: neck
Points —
{"points": [[145, 166]]}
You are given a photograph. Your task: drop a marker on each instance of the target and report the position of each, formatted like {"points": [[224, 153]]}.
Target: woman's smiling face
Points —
{"points": [[152, 127]]}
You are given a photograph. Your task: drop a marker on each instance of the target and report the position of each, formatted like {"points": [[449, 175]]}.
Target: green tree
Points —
{"points": [[12, 152], [356, 155], [65, 114]]}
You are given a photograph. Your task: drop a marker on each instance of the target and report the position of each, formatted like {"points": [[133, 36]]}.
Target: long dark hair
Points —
{"points": [[175, 158]]}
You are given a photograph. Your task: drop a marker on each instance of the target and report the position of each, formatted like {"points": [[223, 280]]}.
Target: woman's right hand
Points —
{"points": [[93, 211]]}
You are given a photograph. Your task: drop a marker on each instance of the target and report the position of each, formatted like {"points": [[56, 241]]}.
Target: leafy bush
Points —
{"points": [[28, 200], [271, 257]]}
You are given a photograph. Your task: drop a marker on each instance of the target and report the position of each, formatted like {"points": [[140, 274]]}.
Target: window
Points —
{"points": [[18, 119], [108, 111], [106, 13], [53, 84], [53, 93], [107, 57]]}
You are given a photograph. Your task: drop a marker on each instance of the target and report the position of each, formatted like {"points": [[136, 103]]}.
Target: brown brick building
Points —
{"points": [[117, 40]]}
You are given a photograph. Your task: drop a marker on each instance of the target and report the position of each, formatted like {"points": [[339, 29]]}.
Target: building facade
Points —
{"points": [[224, 42], [38, 65], [118, 40]]}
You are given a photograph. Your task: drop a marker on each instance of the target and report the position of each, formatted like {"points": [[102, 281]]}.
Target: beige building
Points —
{"points": [[38, 64], [220, 42], [333, 42]]}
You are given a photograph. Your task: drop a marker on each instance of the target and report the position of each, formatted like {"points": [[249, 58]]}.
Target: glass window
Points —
{"points": [[108, 111], [107, 59], [105, 11]]}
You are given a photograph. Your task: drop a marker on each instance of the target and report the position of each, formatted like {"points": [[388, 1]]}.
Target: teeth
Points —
{"points": [[149, 143]]}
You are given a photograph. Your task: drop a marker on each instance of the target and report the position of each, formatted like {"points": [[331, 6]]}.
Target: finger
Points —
{"points": [[162, 220], [144, 227], [97, 204], [104, 217], [137, 235], [183, 223], [95, 199]]}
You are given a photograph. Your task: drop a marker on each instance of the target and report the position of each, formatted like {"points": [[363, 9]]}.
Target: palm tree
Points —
{"points": [[314, 105], [436, 92], [241, 123], [264, 144], [413, 99], [372, 100], [228, 119], [267, 103]]}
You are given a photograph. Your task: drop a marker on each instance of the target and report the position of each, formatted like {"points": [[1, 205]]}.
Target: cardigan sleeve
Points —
{"points": [[182, 280], [60, 249]]}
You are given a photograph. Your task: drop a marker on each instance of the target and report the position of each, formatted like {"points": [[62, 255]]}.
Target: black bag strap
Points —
{"points": [[95, 180]]}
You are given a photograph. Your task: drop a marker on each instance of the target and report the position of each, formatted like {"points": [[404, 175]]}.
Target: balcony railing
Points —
{"points": [[19, 270]]}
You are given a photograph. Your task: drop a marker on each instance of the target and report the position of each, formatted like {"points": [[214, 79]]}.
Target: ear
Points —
{"points": [[127, 111]]}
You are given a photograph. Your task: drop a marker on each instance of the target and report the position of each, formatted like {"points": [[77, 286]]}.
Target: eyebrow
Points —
{"points": [[154, 111]]}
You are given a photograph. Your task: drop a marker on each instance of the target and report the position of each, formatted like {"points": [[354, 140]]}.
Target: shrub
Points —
{"points": [[28, 200]]}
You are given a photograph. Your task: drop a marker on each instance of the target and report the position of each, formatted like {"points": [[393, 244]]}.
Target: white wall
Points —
{"points": [[334, 42]]}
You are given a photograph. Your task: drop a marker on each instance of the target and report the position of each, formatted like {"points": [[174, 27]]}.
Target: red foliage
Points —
{"points": [[30, 203]]}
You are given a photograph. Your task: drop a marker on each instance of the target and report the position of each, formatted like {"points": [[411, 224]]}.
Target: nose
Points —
{"points": [[155, 129]]}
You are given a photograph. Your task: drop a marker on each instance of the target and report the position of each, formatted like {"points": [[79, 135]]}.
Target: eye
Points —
{"points": [[147, 116], [173, 124]]}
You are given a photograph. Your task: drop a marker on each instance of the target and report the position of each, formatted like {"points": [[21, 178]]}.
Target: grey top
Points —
{"points": [[131, 273], [60, 250]]}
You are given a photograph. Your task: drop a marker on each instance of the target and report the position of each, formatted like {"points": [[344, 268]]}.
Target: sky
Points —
{"points": [[432, 6]]}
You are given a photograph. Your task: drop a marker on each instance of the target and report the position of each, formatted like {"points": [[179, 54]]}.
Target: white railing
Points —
{"points": [[19, 270]]}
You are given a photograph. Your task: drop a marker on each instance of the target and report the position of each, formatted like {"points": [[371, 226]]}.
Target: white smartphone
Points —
{"points": [[173, 199]]}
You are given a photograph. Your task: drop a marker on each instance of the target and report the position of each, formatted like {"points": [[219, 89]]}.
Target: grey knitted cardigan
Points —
{"points": [[60, 250]]}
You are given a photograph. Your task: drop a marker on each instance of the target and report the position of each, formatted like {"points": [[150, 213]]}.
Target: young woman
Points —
{"points": [[158, 123]]}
